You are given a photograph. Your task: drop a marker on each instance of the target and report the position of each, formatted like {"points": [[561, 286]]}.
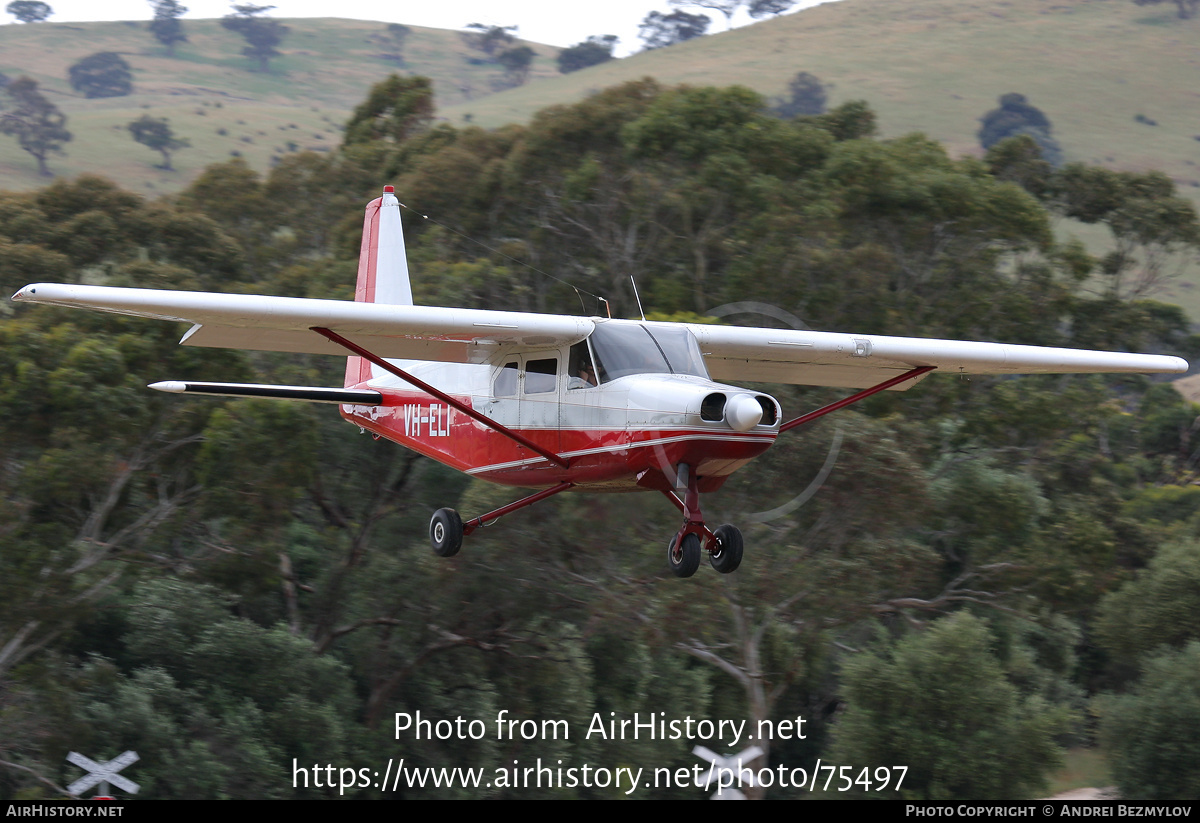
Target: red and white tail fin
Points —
{"points": [[382, 268]]}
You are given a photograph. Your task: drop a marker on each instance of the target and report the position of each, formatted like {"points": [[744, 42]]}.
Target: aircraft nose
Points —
{"points": [[743, 412]]}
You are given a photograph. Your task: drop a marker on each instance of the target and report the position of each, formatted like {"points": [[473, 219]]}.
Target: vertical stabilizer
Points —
{"points": [[382, 267], [382, 264]]}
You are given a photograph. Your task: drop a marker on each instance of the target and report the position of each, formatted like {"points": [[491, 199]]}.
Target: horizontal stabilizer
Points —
{"points": [[312, 394]]}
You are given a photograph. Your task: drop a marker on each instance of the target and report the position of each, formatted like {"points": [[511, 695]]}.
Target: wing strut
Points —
{"points": [[854, 398], [478, 522], [440, 395]]}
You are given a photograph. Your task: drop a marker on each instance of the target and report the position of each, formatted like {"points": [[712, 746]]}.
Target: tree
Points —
{"points": [[1019, 160], [940, 703], [38, 125], [1152, 734], [394, 110], [1153, 229], [516, 62], [104, 74], [1016, 115], [262, 34], [1159, 608], [806, 96], [393, 41], [761, 8], [659, 30], [156, 134], [1186, 8], [597, 49], [29, 11], [489, 39], [726, 7], [165, 26]]}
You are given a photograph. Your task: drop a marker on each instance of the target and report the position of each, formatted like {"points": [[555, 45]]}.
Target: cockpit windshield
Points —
{"points": [[634, 349]]}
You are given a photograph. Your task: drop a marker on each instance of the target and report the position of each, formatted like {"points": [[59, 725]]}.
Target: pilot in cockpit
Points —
{"points": [[579, 367]]}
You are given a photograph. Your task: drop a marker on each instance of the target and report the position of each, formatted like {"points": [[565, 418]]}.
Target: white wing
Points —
{"points": [[858, 361], [248, 321], [469, 335]]}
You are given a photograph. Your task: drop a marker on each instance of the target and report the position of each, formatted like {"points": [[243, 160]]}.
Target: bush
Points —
{"points": [[1153, 733], [940, 703]]}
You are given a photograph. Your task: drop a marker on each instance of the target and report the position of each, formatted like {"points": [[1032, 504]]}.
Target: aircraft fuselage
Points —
{"points": [[622, 435]]}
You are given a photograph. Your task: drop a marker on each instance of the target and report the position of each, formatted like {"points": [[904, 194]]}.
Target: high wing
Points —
{"points": [[250, 321], [474, 336], [813, 358]]}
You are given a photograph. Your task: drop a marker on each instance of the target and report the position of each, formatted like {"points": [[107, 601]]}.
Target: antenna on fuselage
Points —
{"points": [[637, 297]]}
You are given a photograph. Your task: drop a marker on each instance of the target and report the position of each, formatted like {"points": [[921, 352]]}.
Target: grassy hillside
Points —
{"points": [[938, 65], [214, 99], [929, 65]]}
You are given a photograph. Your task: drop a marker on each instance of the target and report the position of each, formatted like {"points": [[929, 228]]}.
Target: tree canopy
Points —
{"points": [[262, 34], [942, 702], [489, 39], [104, 74], [1015, 116], [761, 8], [396, 109], [595, 50], [806, 95], [29, 11], [659, 30], [165, 26]]}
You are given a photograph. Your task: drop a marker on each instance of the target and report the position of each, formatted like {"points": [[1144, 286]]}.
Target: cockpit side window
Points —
{"points": [[581, 374], [506, 381]]}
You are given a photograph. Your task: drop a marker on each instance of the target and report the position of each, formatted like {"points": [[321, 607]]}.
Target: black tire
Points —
{"points": [[446, 532], [727, 553], [686, 559]]}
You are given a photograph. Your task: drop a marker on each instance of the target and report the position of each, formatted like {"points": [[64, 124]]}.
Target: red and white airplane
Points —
{"points": [[553, 402]]}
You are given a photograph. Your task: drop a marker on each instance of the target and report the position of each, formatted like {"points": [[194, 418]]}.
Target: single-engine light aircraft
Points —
{"points": [[553, 403]]}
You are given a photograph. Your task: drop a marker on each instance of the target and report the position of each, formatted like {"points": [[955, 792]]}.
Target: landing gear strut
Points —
{"points": [[446, 529], [724, 546]]}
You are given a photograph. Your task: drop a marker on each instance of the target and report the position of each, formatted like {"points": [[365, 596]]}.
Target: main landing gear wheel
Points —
{"points": [[726, 555], [446, 532], [683, 556]]}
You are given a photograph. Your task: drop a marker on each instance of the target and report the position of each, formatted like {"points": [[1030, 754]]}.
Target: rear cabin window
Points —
{"points": [[541, 376]]}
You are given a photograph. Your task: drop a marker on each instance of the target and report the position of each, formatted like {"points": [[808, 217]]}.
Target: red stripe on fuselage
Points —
{"points": [[609, 457]]}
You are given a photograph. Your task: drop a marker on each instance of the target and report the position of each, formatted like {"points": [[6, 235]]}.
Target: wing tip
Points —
{"points": [[25, 293], [172, 386]]}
